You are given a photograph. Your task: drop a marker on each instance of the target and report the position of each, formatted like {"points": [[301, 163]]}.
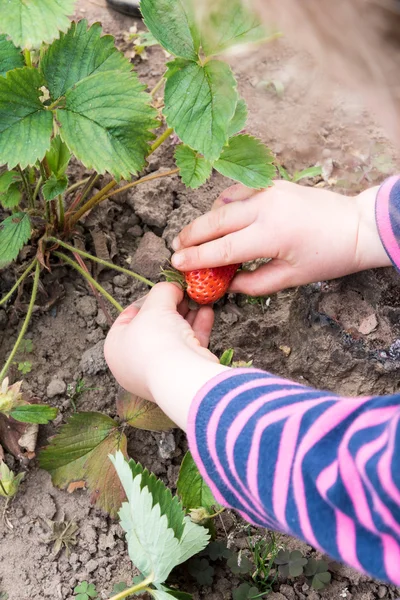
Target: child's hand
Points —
{"points": [[310, 234], [159, 350]]}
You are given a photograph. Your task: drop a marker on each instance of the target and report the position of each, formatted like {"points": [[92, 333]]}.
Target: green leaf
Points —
{"points": [[85, 591], [311, 172], [141, 413], [239, 118], [200, 102], [30, 23], [25, 124], [7, 178], [227, 357], [191, 487], [58, 156], [12, 197], [106, 123], [239, 564], [202, 571], [321, 580], [34, 413], [54, 186], [153, 546], [119, 587], [10, 56], [79, 53], [25, 367], [245, 592], [218, 550], [247, 160], [228, 24], [172, 22], [194, 168], [166, 594], [15, 231], [79, 453]]}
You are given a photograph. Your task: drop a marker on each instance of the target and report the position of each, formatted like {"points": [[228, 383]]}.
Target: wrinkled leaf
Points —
{"points": [[191, 487], [34, 413], [141, 413], [172, 22], [194, 169], [239, 118], [10, 56], [58, 156], [54, 186], [30, 23], [79, 452], [25, 124], [247, 160], [79, 53], [200, 102], [106, 123], [15, 231]]}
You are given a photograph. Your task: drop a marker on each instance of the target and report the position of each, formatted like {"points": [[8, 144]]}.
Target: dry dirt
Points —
{"points": [[319, 334]]}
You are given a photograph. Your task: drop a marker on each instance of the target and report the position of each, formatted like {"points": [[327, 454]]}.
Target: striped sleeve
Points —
{"points": [[388, 217], [308, 463]]}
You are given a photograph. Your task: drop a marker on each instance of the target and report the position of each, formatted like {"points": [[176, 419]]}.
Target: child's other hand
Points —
{"points": [[310, 234]]}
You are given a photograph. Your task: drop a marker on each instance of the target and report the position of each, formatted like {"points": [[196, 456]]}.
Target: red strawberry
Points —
{"points": [[206, 286]]}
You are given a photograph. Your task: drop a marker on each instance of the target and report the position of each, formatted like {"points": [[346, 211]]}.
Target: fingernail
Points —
{"points": [[178, 260], [175, 244], [140, 301]]}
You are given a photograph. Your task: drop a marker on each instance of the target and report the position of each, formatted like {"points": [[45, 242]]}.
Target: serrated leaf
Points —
{"points": [[30, 23], [228, 24], [79, 53], [80, 452], [194, 169], [200, 102], [141, 413], [106, 123], [152, 544], [25, 124], [7, 178], [191, 487], [34, 413], [10, 56], [12, 197], [247, 160], [58, 156], [172, 22], [239, 118], [54, 186], [15, 231]]}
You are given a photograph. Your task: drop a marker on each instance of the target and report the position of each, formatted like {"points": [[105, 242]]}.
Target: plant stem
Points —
{"points": [[105, 263], [157, 86], [25, 323], [76, 185], [134, 590], [61, 211], [82, 195], [142, 180], [18, 283], [37, 188], [54, 104], [97, 294], [91, 203], [89, 278], [43, 172], [27, 187], [164, 136], [46, 167], [28, 58]]}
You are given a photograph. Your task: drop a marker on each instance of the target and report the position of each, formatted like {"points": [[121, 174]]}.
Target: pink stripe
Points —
{"points": [[348, 470], [383, 220], [330, 419], [391, 557], [237, 427], [346, 540], [386, 461]]}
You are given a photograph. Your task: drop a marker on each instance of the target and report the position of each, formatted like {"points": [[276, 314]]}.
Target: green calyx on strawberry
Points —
{"points": [[205, 286]]}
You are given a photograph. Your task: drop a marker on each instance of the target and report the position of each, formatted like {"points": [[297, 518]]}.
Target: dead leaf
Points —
{"points": [[11, 432], [141, 413], [29, 438], [76, 485]]}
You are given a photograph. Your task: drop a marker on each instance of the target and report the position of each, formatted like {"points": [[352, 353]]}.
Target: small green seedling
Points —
{"points": [[75, 391], [246, 591], [317, 573], [299, 175], [85, 591], [9, 482], [290, 564], [264, 551]]}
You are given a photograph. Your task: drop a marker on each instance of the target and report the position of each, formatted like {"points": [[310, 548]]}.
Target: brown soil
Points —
{"points": [[319, 334]]}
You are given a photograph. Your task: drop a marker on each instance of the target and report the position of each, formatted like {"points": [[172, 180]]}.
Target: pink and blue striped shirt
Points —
{"points": [[305, 462]]}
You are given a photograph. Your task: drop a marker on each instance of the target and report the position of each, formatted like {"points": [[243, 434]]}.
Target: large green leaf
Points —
{"points": [[228, 24], [10, 56], [31, 22], [172, 22], [194, 169], [77, 54], [25, 124], [106, 123], [200, 102], [34, 413], [152, 544], [15, 231], [247, 160], [191, 487], [79, 453]]}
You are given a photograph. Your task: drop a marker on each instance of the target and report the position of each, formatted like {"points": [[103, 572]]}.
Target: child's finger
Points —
{"points": [[235, 193], [273, 277], [164, 296], [202, 325], [126, 316], [215, 224]]}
